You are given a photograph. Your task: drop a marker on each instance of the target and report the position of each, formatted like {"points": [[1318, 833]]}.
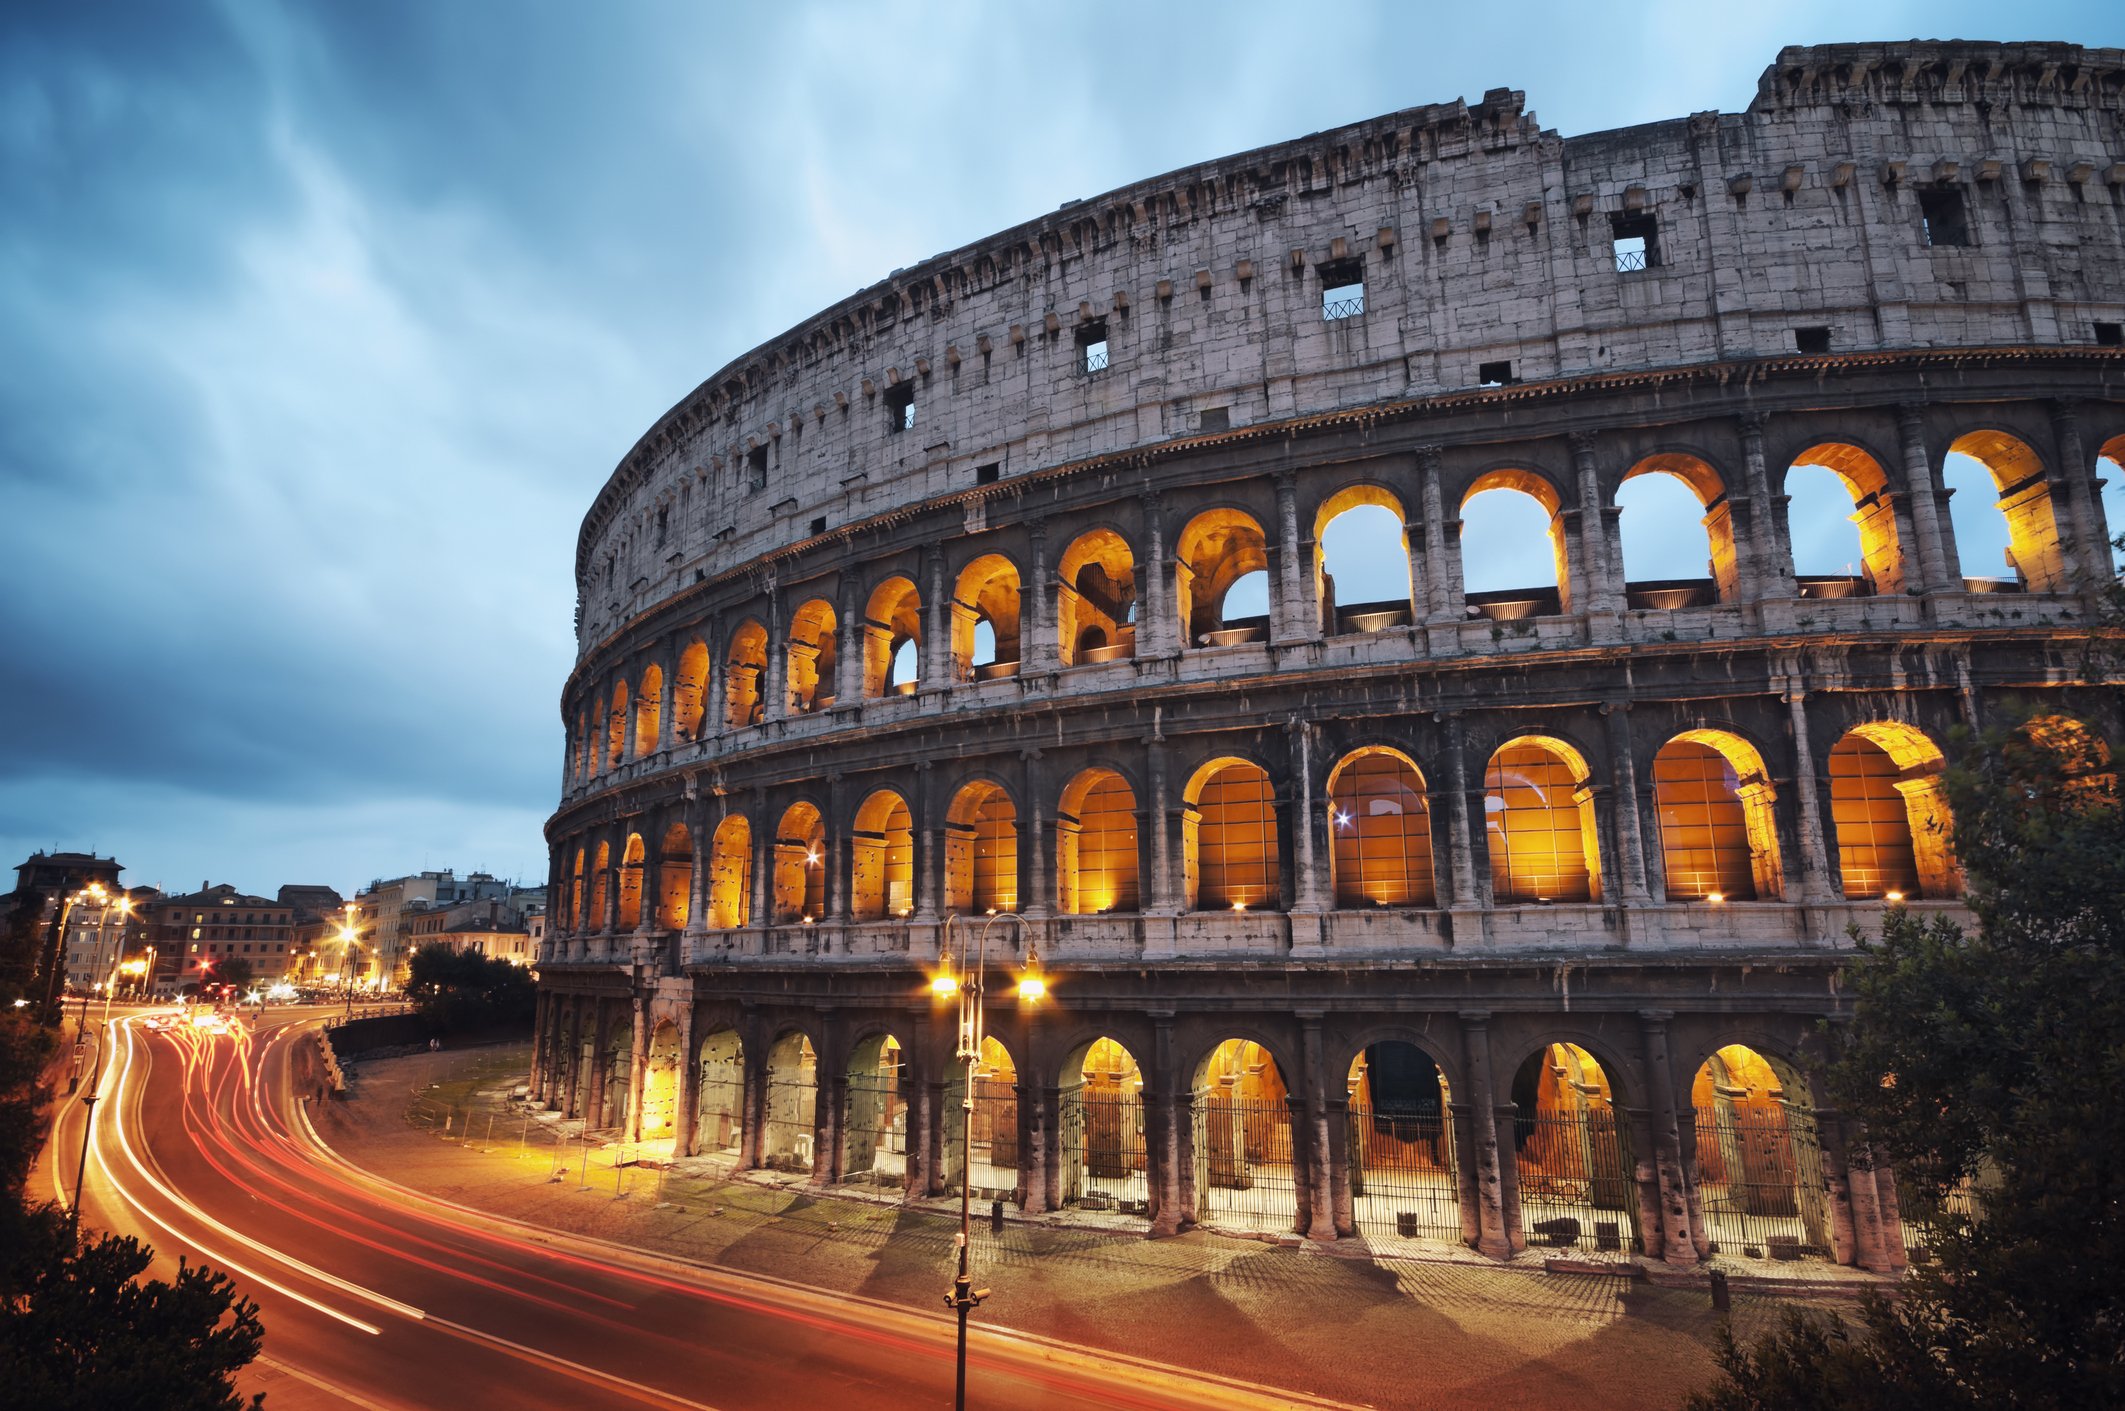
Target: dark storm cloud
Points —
{"points": [[320, 325]]}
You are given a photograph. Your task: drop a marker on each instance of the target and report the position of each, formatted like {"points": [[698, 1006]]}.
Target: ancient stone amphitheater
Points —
{"points": [[1505, 917]]}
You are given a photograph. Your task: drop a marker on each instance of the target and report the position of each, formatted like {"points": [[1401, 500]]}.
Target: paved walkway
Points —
{"points": [[1384, 1329]]}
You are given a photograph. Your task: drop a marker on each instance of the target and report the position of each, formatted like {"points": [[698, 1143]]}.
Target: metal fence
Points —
{"points": [[1333, 309], [1759, 1176], [1575, 1180], [1404, 1174], [1243, 1171], [875, 1131], [787, 1134], [719, 1125], [995, 1133], [1103, 1148]]}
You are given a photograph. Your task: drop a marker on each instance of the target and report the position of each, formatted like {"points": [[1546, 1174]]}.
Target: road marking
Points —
{"points": [[641, 1390], [352, 1398]]}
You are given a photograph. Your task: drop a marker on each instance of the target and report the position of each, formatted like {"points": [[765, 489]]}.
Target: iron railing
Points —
{"points": [[786, 1135], [1333, 309], [1103, 1148], [1575, 1180], [1243, 1176], [1096, 358], [1631, 261], [1404, 1176], [1759, 1175]]}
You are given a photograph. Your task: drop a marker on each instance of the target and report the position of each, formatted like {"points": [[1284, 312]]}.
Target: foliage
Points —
{"points": [[2005, 1050], [25, 1048], [233, 971], [80, 1330], [460, 990]]}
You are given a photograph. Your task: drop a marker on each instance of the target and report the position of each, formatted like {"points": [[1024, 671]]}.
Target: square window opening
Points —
{"points": [[1214, 419], [900, 407], [819, 525], [756, 466], [1092, 346], [1811, 340], [987, 474], [1946, 215], [1342, 289], [1498, 374], [1635, 241], [2110, 335]]}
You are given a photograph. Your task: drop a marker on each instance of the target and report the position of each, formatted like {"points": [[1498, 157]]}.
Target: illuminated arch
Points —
{"points": [[877, 1112], [1538, 816], [1379, 827], [811, 657], [2039, 560], [981, 850], [649, 704], [1889, 814], [891, 620], [1229, 838], [1873, 513], [1095, 845], [1243, 1138], [996, 1148], [616, 727], [675, 878], [1102, 1108], [1709, 489], [1537, 487], [1718, 830], [1095, 601], [986, 596], [791, 1105], [575, 894], [1571, 1146], [744, 672], [1217, 549], [1362, 520], [730, 874], [600, 874], [719, 1123], [658, 1118], [1404, 1170], [631, 883], [1758, 1164], [689, 692], [800, 866], [883, 858]]}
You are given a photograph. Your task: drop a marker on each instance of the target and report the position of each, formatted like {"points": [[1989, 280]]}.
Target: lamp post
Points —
{"points": [[351, 944], [50, 1011], [970, 987]]}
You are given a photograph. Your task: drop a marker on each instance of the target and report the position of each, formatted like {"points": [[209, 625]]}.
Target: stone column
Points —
{"points": [[1039, 649], [1033, 828], [1466, 891], [539, 1026], [1442, 591], [849, 645], [1309, 828], [1492, 1237], [830, 1098], [936, 623], [1296, 617], [2076, 504], [753, 1101], [929, 851], [600, 1064], [775, 688], [1321, 1223], [1623, 768], [1166, 899], [1604, 589], [839, 855], [1937, 573], [1157, 633], [666, 675], [1770, 563], [615, 865], [1162, 1175], [1815, 872], [627, 723], [715, 701], [686, 1116], [764, 831], [701, 839], [1680, 1243], [571, 1060], [637, 1073]]}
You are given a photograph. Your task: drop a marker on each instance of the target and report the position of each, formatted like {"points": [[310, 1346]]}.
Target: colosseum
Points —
{"points": [[1001, 621]]}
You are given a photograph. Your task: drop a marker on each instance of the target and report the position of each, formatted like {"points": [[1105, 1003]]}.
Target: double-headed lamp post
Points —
{"points": [[52, 1011], [969, 986]]}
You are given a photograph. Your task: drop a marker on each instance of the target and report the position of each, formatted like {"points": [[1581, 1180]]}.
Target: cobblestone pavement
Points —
{"points": [[1377, 1329]]}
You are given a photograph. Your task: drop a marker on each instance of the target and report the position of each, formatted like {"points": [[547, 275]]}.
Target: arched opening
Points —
{"points": [[994, 1122], [660, 1085], [1504, 516], [1672, 507], [1404, 1171], [675, 878], [1095, 845], [1758, 1163], [884, 860], [616, 728], [800, 866], [730, 874], [892, 639], [2111, 459], [1538, 818], [1572, 1153], [2003, 516], [1718, 831], [1217, 550], [1361, 566], [631, 883], [1229, 839], [575, 894], [719, 1126], [786, 1130], [619, 1050], [1379, 831], [743, 672], [1243, 1145], [985, 620], [811, 657], [689, 692], [598, 883], [649, 724], [1095, 602], [2081, 757], [981, 850], [1824, 525], [874, 1138], [1102, 1114], [1889, 814]]}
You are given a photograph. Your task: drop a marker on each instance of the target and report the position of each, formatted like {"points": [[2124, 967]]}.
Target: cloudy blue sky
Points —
{"points": [[320, 325]]}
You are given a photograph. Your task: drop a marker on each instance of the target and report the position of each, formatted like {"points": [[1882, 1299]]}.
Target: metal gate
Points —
{"points": [[1243, 1172], [876, 1129], [1103, 1148], [1759, 1178], [995, 1133], [786, 1135], [1575, 1180], [720, 1128], [1404, 1176]]}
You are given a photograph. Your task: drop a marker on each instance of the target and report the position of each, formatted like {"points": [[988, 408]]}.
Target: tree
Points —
{"points": [[1990, 1061], [460, 990], [233, 971]]}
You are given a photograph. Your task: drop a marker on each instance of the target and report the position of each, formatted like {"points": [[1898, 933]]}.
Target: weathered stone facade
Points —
{"points": [[793, 752]]}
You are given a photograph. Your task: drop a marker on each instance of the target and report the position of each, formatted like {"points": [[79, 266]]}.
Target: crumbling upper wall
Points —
{"points": [[1483, 239]]}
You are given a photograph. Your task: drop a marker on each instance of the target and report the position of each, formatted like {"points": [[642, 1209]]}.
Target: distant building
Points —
{"points": [[98, 937], [386, 907], [314, 945], [29, 946], [194, 934]]}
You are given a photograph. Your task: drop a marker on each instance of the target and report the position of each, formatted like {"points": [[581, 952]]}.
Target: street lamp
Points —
{"points": [[49, 1011], [350, 944], [970, 986]]}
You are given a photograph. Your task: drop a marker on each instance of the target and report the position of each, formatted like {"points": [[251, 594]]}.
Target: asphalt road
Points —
{"points": [[375, 1296]]}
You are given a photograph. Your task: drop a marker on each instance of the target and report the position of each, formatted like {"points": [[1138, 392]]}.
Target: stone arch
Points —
{"points": [[1096, 844], [616, 727], [1757, 1157], [1889, 814], [658, 1118], [892, 619], [649, 706], [1379, 829], [986, 595], [1095, 602], [1104, 1156], [2037, 557], [631, 883], [1216, 550], [1369, 596], [1572, 1151], [810, 668], [990, 1126], [1881, 559], [800, 865], [1718, 826], [1538, 819], [719, 1122], [689, 692], [599, 882], [730, 874], [744, 673], [1404, 1168], [675, 878], [791, 1107], [575, 894], [878, 1112], [1244, 1142], [981, 849], [1531, 600], [1709, 488], [1229, 845], [882, 865]]}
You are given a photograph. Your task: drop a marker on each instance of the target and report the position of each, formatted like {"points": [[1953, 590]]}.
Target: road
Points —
{"points": [[375, 1296]]}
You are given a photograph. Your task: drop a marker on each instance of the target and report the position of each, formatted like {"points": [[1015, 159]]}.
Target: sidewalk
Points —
{"points": [[1382, 1328]]}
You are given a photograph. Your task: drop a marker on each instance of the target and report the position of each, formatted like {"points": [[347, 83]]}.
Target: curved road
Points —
{"points": [[378, 1297]]}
